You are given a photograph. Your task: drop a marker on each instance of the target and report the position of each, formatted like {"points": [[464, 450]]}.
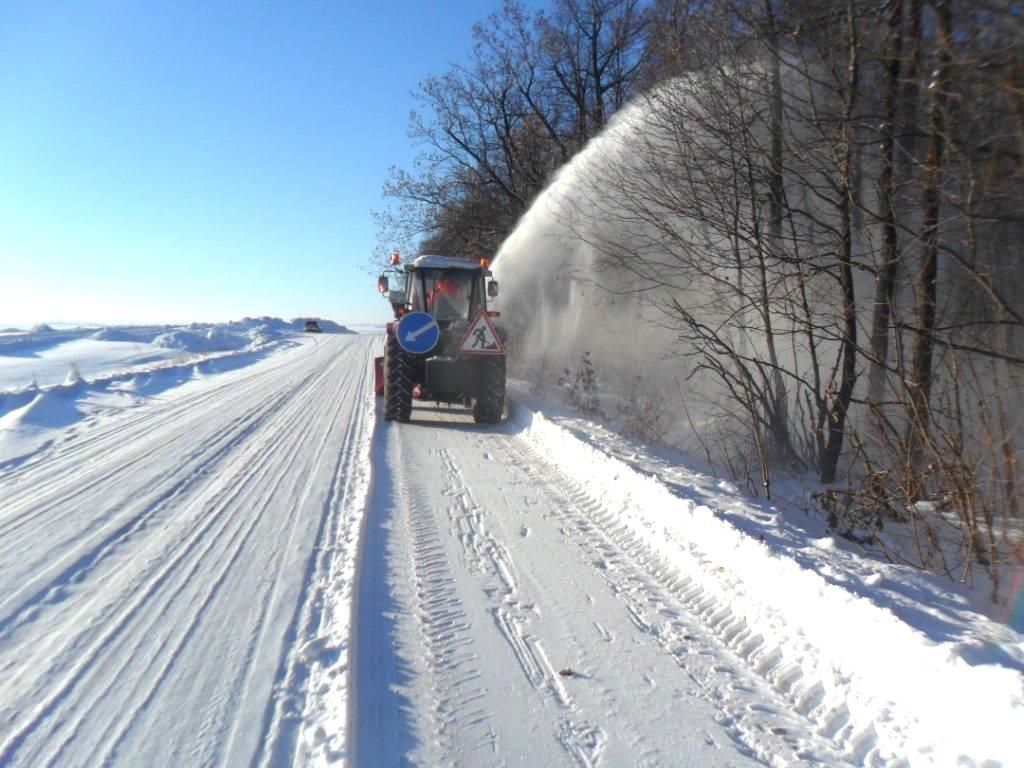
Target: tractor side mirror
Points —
{"points": [[492, 288], [382, 284]]}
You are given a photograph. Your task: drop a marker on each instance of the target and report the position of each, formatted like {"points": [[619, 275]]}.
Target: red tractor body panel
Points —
{"points": [[378, 376]]}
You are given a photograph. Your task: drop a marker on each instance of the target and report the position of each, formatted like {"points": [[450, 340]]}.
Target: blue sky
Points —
{"points": [[177, 161]]}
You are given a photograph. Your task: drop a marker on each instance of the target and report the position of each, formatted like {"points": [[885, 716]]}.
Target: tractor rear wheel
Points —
{"points": [[490, 402], [397, 382]]}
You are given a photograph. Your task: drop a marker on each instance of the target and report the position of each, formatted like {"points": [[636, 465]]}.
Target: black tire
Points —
{"points": [[490, 403], [397, 383]]}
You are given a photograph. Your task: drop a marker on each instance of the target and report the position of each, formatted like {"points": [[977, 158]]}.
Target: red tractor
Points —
{"points": [[443, 345]]}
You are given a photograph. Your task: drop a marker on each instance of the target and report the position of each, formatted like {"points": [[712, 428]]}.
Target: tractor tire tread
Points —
{"points": [[489, 405], [398, 383]]}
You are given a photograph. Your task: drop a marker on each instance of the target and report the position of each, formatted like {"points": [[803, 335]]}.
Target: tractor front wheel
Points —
{"points": [[397, 382], [490, 402]]}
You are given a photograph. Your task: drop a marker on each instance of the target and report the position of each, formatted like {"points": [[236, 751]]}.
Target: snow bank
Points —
{"points": [[43, 371], [263, 334], [44, 354], [184, 340], [880, 688], [30, 416], [118, 334], [215, 339]]}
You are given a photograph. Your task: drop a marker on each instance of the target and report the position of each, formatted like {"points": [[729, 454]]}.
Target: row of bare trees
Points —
{"points": [[533, 90], [822, 201], [826, 203]]}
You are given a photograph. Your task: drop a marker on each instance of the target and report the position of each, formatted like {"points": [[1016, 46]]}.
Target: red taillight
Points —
{"points": [[485, 263], [491, 313]]}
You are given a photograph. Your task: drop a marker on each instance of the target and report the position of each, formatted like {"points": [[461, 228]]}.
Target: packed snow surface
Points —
{"points": [[239, 563], [161, 565]]}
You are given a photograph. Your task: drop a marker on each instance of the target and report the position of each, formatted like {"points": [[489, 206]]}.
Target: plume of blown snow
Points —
{"points": [[564, 292], [620, 251]]}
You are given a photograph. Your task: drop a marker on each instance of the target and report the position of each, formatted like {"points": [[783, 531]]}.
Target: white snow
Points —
{"points": [[237, 562], [50, 379], [43, 354], [443, 262], [162, 566], [876, 685], [50, 365]]}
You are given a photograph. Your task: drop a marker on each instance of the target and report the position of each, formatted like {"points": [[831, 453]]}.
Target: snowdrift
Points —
{"points": [[43, 354], [944, 689], [50, 379]]}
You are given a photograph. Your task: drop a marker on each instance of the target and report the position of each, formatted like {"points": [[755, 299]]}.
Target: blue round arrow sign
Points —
{"points": [[417, 332]]}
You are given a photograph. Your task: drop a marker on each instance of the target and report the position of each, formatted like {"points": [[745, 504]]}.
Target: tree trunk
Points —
{"points": [[885, 281], [848, 375], [776, 201], [596, 73], [920, 381]]}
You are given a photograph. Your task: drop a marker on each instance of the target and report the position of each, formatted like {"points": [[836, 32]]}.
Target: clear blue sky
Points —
{"points": [[205, 159]]}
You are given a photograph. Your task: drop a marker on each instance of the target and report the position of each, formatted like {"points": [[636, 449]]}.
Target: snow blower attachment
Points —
{"points": [[443, 345]]}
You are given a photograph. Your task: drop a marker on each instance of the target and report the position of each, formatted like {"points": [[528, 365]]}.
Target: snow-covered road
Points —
{"points": [[503, 620], [253, 569], [161, 569]]}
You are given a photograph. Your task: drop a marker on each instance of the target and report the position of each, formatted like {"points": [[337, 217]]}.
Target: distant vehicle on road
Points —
{"points": [[311, 326]]}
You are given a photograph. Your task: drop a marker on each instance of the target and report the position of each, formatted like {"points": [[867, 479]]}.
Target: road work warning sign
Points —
{"points": [[481, 338]]}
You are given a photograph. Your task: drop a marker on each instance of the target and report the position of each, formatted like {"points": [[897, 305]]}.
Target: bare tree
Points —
{"points": [[595, 51], [927, 280]]}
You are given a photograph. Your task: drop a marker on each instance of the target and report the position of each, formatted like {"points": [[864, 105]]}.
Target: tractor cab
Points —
{"points": [[443, 345], [449, 290]]}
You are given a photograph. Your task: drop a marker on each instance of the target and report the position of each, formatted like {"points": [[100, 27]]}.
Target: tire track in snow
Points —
{"points": [[108, 470], [251, 461], [510, 599], [491, 559], [61, 464], [762, 701], [96, 450], [85, 657], [200, 463], [447, 635], [308, 684]]}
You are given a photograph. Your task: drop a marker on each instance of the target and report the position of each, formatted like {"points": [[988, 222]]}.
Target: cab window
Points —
{"points": [[446, 294]]}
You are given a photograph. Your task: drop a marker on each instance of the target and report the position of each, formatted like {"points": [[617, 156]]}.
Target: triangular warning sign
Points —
{"points": [[481, 338]]}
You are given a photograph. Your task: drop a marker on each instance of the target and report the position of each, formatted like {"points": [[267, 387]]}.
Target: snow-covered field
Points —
{"points": [[52, 377], [45, 355], [235, 562], [90, 357]]}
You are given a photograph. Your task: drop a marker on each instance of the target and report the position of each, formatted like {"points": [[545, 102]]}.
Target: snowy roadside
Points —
{"points": [[43, 355], [32, 415], [51, 378], [886, 661]]}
